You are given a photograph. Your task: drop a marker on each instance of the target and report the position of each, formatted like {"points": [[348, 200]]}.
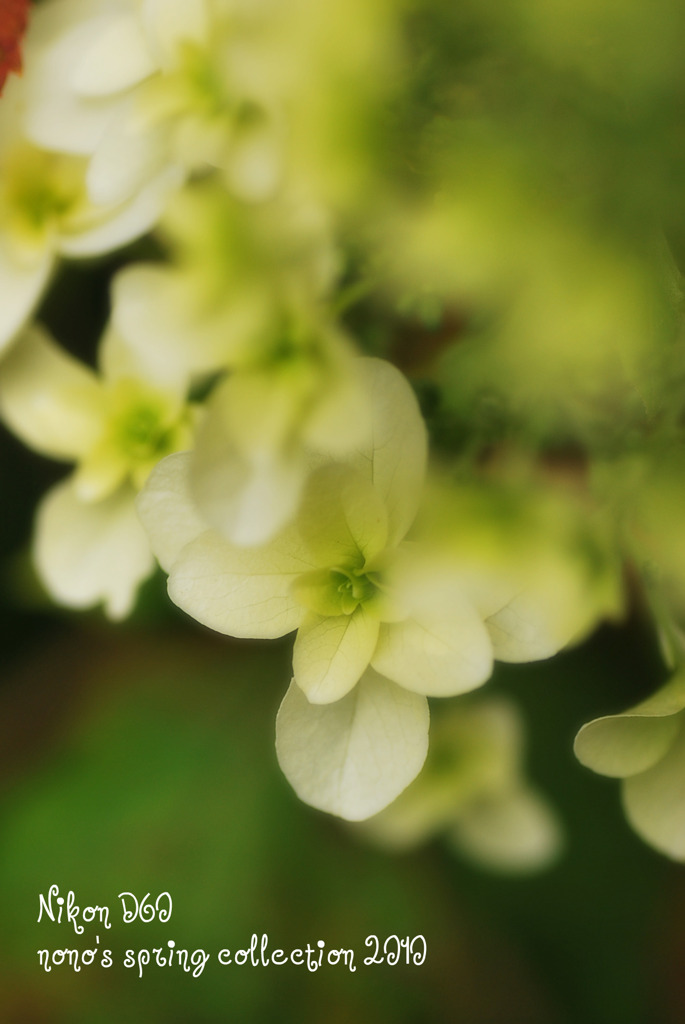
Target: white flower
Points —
{"points": [[89, 545], [234, 271], [303, 392], [347, 748], [331, 572], [145, 85], [645, 746], [45, 213], [246, 293], [378, 628]]}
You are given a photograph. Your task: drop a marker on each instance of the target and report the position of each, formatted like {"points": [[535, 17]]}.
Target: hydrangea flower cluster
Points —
{"points": [[373, 379]]}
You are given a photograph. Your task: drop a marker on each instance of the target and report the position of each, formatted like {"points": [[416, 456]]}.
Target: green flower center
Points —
{"points": [[143, 427], [337, 591], [353, 588], [142, 432], [40, 191], [200, 84], [200, 87]]}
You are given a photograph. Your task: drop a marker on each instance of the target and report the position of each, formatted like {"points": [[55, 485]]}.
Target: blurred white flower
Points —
{"points": [[301, 393], [472, 789], [234, 270], [45, 212], [141, 86], [89, 545], [645, 746], [248, 292]]}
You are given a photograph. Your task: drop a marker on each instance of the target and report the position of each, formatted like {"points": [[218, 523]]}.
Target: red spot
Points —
{"points": [[13, 21]]}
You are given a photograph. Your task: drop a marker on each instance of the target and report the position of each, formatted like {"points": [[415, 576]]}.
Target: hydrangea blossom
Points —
{"points": [[226, 84], [45, 212], [375, 635], [252, 287], [143, 86], [89, 545], [235, 269], [331, 574]]}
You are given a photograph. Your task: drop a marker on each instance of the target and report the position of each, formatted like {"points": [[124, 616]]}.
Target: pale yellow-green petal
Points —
{"points": [[632, 741], [116, 359], [49, 399], [246, 497], [128, 157], [153, 309], [331, 654], [394, 456], [57, 118], [20, 290], [119, 361], [341, 420], [654, 800], [91, 553], [169, 24], [101, 472], [353, 757], [513, 832], [475, 756], [244, 592], [439, 652], [117, 59], [524, 629], [342, 518], [167, 510], [115, 226], [245, 478]]}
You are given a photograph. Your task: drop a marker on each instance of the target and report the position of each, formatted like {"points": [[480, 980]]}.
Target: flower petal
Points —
{"points": [[246, 495], [167, 510], [128, 157], [529, 627], [654, 800], [57, 118], [51, 401], [244, 592], [88, 553], [331, 653], [394, 457], [171, 23], [631, 742], [439, 652], [353, 757], [517, 831], [124, 223], [20, 291], [117, 59], [153, 310], [342, 517]]}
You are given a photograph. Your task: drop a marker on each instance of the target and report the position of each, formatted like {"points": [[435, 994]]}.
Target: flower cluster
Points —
{"points": [[371, 379]]}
